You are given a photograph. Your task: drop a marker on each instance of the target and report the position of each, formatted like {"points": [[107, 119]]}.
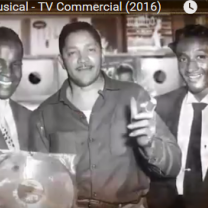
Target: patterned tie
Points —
{"points": [[7, 137], [193, 176]]}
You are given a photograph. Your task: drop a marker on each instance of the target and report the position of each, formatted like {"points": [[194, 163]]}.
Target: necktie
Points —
{"points": [[7, 137], [193, 175]]}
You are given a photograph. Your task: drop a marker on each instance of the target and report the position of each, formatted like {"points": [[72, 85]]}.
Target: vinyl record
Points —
{"points": [[34, 181]]}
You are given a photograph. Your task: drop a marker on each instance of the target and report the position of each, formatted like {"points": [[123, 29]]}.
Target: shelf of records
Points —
{"points": [[145, 25]]}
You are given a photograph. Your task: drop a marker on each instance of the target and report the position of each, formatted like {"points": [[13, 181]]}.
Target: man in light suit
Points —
{"points": [[185, 112], [13, 117]]}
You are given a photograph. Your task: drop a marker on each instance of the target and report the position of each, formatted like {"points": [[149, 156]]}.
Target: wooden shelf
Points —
{"points": [[144, 26]]}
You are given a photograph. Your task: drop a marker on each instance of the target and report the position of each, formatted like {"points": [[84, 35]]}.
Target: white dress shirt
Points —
{"points": [[87, 114], [7, 120], [184, 130]]}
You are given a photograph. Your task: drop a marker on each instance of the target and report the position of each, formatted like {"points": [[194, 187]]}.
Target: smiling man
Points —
{"points": [[100, 120], [185, 111], [13, 117]]}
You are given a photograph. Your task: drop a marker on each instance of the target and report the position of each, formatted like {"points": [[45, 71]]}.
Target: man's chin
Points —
{"points": [[5, 95], [86, 82], [197, 89]]}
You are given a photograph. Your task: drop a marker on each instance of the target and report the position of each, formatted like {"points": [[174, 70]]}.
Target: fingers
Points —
{"points": [[143, 116], [143, 136], [139, 124], [140, 132], [143, 131]]}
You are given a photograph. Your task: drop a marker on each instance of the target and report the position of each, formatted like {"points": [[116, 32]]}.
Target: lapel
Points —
{"points": [[175, 109], [169, 106], [3, 144], [20, 125]]}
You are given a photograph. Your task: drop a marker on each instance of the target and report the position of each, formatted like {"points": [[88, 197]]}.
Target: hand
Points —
{"points": [[141, 126]]}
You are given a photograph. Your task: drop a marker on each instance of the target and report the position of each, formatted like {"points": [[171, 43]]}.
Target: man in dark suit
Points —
{"points": [[185, 112], [13, 117]]}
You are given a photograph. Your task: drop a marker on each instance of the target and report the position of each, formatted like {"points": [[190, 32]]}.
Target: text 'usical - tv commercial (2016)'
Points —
{"points": [[127, 7]]}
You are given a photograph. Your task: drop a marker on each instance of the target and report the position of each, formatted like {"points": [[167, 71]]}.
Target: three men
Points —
{"points": [[185, 111], [116, 142], [13, 117]]}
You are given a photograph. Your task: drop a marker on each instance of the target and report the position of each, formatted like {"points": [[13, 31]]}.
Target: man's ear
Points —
{"points": [[60, 60]]}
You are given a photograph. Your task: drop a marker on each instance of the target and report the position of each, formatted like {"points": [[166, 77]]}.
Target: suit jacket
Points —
{"points": [[163, 193], [21, 117]]}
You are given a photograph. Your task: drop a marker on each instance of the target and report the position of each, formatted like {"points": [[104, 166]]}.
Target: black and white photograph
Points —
{"points": [[104, 111]]}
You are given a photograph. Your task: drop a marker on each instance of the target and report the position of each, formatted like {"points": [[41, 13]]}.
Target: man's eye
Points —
{"points": [[182, 59], [71, 53], [92, 49], [201, 57]]}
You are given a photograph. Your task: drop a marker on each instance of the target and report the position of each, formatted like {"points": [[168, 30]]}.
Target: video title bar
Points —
{"points": [[96, 7]]}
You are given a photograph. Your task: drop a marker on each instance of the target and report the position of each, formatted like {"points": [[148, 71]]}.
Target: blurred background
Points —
{"points": [[135, 48]]}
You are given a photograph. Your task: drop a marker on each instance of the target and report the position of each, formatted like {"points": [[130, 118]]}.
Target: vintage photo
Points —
{"points": [[104, 111]]}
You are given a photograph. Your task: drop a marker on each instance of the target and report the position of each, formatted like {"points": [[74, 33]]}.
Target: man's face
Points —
{"points": [[126, 77], [192, 56], [82, 58], [10, 69]]}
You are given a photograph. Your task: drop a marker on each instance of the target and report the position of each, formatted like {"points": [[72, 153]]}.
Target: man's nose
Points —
{"points": [[192, 66], [6, 72], [83, 58], [5, 68]]}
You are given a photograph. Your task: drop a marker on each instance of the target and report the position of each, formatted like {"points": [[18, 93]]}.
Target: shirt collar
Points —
{"points": [[191, 99], [110, 84], [4, 104]]}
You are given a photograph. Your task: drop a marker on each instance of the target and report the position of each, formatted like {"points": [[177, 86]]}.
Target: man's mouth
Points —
{"points": [[84, 68], [5, 83], [194, 76]]}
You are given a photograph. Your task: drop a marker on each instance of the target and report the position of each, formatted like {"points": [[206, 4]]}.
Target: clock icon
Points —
{"points": [[190, 7]]}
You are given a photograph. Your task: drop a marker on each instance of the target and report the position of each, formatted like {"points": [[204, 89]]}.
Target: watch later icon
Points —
{"points": [[190, 7]]}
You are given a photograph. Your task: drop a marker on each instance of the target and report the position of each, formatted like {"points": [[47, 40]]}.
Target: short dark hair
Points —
{"points": [[124, 68], [8, 35], [189, 31], [75, 27]]}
